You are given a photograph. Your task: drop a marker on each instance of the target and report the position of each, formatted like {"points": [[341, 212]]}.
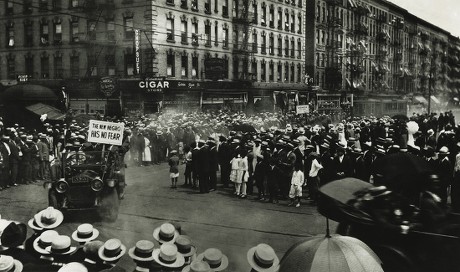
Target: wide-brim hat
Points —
{"points": [[81, 237], [222, 265], [69, 250], [444, 151], [197, 266], [73, 267], [183, 242], [103, 252], [142, 251], [33, 225], [157, 234], [256, 263], [57, 214], [178, 262], [10, 264]]}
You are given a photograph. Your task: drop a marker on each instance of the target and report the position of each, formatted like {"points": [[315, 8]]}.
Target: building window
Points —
{"points": [[225, 36], [280, 18], [263, 20], [10, 35], [280, 71], [170, 67], [170, 29], [292, 22], [235, 37], [299, 48], [264, 43], [286, 72], [216, 34], [184, 66], [11, 67], [271, 45], [129, 64], [286, 18], [75, 66], [236, 66], [45, 67], [74, 31], [91, 30], [27, 7], [110, 64], [184, 4], [194, 5], [128, 24], [299, 23], [271, 71], [58, 71], [300, 3], [29, 65], [110, 26], [183, 32], [280, 46], [225, 74], [286, 46], [254, 12], [92, 65], [170, 2], [195, 67], [225, 8], [299, 72], [44, 33], [9, 7], [254, 70], [28, 34], [292, 72], [207, 33], [195, 32], [43, 5], [207, 6], [263, 71], [272, 17], [292, 47], [254, 42], [57, 4]]}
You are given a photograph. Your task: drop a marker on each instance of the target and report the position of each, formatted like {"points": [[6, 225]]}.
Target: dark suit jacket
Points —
{"points": [[213, 159], [5, 155], [203, 160], [14, 156], [342, 167]]}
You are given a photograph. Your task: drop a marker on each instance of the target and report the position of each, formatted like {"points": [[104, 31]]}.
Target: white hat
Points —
{"points": [[197, 266], [215, 258], [168, 256], [33, 225], [263, 258], [9, 264], [73, 267], [184, 246], [143, 251], [49, 218], [44, 240], [166, 233], [61, 245], [85, 233], [112, 250]]}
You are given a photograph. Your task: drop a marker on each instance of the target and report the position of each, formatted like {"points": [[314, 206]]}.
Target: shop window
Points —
{"points": [[183, 31], [271, 71], [44, 33], [194, 5], [170, 65], [263, 71], [58, 70], [110, 64], [57, 4], [28, 34], [11, 67], [279, 74], [263, 20], [75, 66], [45, 67], [10, 35], [207, 6], [128, 24], [129, 64], [225, 36], [207, 33], [236, 68], [280, 46], [170, 29], [184, 66], [195, 67], [9, 7], [225, 8]]}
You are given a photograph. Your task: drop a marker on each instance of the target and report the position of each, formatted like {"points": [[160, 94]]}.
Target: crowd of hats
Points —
{"points": [[169, 248]]}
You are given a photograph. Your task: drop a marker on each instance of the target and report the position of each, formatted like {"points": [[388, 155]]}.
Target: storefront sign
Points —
{"points": [[137, 50], [105, 132], [181, 102], [154, 84], [188, 84], [23, 78], [107, 85], [302, 109]]}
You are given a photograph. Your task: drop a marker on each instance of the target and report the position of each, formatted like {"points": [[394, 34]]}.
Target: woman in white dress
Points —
{"points": [[147, 155], [235, 162], [242, 173]]}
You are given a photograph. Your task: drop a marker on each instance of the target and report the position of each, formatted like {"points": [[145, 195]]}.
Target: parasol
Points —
{"points": [[330, 254]]}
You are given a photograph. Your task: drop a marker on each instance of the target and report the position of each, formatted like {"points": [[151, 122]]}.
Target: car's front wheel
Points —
{"points": [[110, 205]]}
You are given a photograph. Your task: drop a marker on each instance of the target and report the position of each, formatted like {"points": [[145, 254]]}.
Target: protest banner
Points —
{"points": [[105, 132]]}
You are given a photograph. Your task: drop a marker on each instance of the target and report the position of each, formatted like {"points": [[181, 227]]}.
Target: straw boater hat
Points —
{"points": [[184, 246], [214, 257], [197, 266], [444, 151], [44, 240], [85, 233], [73, 267], [263, 258], [166, 233], [112, 250], [61, 245], [9, 264], [168, 256], [49, 218], [33, 225], [143, 251]]}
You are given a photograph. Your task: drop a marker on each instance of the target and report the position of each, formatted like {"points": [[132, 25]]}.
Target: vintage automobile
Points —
{"points": [[91, 180], [408, 246]]}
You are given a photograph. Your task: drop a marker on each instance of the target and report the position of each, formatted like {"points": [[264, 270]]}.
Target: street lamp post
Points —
{"points": [[429, 94]]}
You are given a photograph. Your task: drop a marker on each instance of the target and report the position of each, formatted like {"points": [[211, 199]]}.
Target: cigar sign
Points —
{"points": [[157, 84], [137, 51]]}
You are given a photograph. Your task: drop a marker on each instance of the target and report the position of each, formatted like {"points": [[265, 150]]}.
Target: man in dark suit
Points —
{"points": [[342, 164], [213, 164], [445, 173], [224, 157], [14, 161], [195, 163], [203, 167], [5, 171]]}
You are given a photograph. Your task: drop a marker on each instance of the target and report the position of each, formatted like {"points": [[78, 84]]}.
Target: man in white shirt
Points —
{"points": [[313, 178]]}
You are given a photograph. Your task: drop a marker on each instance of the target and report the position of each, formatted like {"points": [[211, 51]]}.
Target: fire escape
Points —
{"points": [[358, 47], [399, 71], [333, 71], [425, 63], [243, 51], [412, 61], [381, 57]]}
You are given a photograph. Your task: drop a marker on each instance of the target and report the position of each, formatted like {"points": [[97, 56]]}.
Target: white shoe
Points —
{"points": [[297, 205]]}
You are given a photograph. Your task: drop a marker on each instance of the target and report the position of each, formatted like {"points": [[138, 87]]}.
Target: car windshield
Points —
{"points": [[74, 158]]}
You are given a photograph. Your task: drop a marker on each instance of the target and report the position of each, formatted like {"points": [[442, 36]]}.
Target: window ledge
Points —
{"points": [[184, 43], [171, 41]]}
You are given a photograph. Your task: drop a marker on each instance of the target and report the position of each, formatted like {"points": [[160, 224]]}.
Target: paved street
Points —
{"points": [[217, 219]]}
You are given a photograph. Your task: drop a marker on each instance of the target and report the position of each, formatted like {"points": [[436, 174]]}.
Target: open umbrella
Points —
{"points": [[330, 254]]}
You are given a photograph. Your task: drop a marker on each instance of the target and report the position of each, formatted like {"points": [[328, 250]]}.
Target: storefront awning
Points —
{"points": [[51, 112], [421, 99], [435, 100]]}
